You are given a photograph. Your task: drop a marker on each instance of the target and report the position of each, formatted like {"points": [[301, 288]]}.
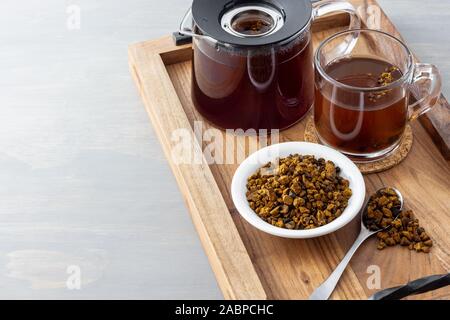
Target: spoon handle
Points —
{"points": [[324, 291]]}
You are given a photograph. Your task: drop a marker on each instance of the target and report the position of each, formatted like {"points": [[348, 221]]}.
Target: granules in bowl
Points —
{"points": [[298, 192]]}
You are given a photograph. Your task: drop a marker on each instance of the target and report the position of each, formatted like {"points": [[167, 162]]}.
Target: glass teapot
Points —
{"points": [[252, 62]]}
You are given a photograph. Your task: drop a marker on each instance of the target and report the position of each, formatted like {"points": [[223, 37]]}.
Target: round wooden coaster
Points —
{"points": [[388, 162]]}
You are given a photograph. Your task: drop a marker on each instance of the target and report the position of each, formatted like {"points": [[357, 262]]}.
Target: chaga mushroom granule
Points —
{"points": [[298, 192], [383, 211], [405, 231]]}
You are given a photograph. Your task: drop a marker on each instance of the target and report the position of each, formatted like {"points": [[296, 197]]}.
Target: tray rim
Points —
{"points": [[227, 254]]}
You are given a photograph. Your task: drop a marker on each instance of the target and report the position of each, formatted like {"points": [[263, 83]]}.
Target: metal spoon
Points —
{"points": [[324, 291]]}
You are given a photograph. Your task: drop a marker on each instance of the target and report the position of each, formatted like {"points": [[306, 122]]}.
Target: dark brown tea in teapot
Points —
{"points": [[252, 65], [355, 118], [260, 88]]}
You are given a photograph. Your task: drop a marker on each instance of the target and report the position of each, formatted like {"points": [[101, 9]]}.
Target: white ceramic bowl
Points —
{"points": [[250, 165]]}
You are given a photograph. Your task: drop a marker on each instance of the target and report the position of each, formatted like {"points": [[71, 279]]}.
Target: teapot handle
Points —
{"points": [[324, 7]]}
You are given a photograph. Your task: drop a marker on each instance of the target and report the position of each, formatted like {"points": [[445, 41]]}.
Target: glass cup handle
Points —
{"points": [[426, 89], [324, 7]]}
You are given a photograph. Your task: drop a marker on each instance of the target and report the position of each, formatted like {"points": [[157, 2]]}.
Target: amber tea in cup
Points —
{"points": [[382, 121], [362, 93]]}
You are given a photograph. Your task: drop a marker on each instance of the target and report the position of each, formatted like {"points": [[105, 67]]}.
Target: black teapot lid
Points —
{"points": [[280, 20]]}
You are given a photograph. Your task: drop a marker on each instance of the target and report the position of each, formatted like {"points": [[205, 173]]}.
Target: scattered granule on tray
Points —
{"points": [[383, 211], [405, 231]]}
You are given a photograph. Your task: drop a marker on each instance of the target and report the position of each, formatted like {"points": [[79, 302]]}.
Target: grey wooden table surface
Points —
{"points": [[85, 191]]}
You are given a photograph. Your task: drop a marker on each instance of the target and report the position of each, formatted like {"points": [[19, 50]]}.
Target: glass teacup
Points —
{"points": [[366, 93]]}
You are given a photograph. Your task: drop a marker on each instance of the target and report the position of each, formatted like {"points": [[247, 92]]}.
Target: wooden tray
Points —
{"points": [[249, 264]]}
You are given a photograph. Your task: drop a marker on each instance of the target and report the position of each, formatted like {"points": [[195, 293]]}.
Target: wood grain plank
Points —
{"points": [[270, 253]]}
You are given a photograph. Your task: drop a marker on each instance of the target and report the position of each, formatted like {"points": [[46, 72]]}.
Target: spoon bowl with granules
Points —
{"points": [[380, 210]]}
